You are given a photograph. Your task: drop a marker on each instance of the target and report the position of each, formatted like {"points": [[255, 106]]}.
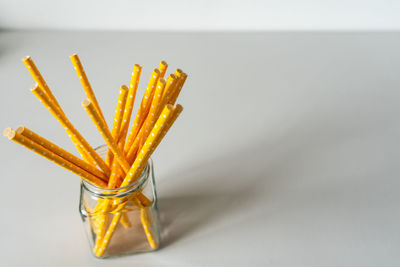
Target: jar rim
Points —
{"points": [[120, 191]]}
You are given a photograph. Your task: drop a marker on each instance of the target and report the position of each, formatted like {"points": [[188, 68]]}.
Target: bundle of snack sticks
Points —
{"points": [[128, 149]]}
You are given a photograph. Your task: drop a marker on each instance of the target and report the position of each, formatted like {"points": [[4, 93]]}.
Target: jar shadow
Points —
{"points": [[213, 191], [198, 199]]}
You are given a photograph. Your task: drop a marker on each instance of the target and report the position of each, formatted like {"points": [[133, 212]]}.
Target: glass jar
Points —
{"points": [[122, 220]]}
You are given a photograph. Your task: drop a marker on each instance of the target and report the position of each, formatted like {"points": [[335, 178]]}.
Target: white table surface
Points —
{"points": [[287, 152]]}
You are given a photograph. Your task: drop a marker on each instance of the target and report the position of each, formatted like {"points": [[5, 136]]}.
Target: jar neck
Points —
{"points": [[121, 191]]}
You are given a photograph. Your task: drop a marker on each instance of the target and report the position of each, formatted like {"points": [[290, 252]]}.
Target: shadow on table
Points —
{"points": [[222, 187]]}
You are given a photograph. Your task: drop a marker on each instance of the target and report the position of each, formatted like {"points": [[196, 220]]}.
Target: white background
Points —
{"points": [[179, 15], [287, 151], [286, 154]]}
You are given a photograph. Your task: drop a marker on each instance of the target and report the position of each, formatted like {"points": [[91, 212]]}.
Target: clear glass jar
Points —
{"points": [[123, 220]]}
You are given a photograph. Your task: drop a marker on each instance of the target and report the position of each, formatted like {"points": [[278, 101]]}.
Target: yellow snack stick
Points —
{"points": [[115, 174], [144, 217], [22, 140], [62, 119], [119, 113], [86, 85], [144, 154], [159, 130], [101, 222], [167, 92], [133, 86], [126, 223], [177, 110], [156, 108], [105, 133], [101, 244], [143, 199], [116, 180], [175, 113], [154, 142], [178, 72], [86, 157], [175, 94], [38, 78], [31, 135], [154, 112], [169, 88], [141, 114], [116, 171], [163, 68], [141, 137], [102, 207], [99, 249]]}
